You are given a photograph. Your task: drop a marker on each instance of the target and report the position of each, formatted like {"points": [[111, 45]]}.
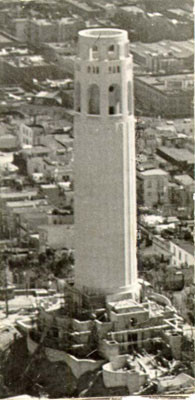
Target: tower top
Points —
{"points": [[104, 33], [103, 44]]}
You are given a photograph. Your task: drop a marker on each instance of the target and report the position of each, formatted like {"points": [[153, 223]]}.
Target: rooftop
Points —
{"points": [[185, 245], [27, 61], [18, 194], [102, 33], [133, 9], [166, 48], [4, 39], [181, 155], [184, 179], [154, 171], [169, 83]]}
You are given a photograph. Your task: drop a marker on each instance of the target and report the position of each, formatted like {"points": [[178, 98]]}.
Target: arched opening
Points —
{"points": [[95, 52], [77, 96], [112, 51], [130, 98], [114, 99], [111, 48], [93, 99]]}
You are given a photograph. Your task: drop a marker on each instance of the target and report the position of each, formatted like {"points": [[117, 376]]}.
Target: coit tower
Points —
{"points": [[105, 188]]}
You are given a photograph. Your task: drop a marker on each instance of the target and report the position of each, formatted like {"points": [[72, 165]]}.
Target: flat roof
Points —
{"points": [[27, 61], [4, 38], [185, 245], [18, 194], [184, 179], [155, 171], [159, 81], [103, 33], [168, 48], [178, 154], [82, 6], [132, 9], [23, 203]]}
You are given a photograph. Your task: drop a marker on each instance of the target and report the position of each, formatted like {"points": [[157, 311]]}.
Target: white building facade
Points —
{"points": [[105, 179]]}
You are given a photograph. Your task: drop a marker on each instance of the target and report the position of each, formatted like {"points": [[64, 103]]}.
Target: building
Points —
{"points": [[30, 134], [181, 159], [165, 95], [83, 9], [6, 41], [68, 28], [106, 314], [31, 160], [105, 196], [23, 69], [180, 193], [182, 252], [152, 187], [40, 31], [165, 56]]}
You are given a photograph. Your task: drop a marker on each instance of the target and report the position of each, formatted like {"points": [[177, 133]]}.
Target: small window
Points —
{"points": [[110, 70], [111, 110], [111, 48], [118, 68], [97, 70], [111, 88], [88, 69]]}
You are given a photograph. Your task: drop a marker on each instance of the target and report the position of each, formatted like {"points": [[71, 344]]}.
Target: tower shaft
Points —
{"points": [[105, 191]]}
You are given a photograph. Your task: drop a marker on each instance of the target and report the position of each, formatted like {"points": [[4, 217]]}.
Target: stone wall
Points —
{"points": [[109, 349], [115, 376], [77, 366], [81, 325], [102, 328]]}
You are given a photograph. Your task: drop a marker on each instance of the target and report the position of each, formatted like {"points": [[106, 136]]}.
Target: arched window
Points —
{"points": [[77, 96], [95, 52], [93, 99], [114, 97], [111, 51], [130, 98]]}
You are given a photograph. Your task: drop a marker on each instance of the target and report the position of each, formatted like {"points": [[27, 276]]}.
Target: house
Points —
{"points": [[152, 187], [165, 95], [167, 56], [180, 158], [182, 252], [30, 134], [31, 160]]}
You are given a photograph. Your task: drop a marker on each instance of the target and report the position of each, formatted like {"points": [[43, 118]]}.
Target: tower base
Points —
{"points": [[87, 299]]}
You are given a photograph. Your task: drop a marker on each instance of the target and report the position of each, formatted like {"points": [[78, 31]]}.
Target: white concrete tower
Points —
{"points": [[105, 189]]}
